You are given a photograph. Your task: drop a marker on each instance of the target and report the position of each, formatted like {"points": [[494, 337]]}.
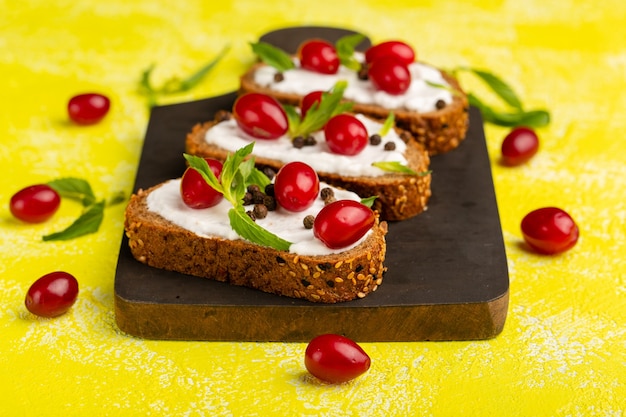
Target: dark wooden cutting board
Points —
{"points": [[447, 275]]}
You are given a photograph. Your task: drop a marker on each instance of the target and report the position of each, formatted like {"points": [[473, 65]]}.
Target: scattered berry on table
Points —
{"points": [[88, 108], [549, 230], [35, 204], [335, 359], [519, 145], [52, 295]]}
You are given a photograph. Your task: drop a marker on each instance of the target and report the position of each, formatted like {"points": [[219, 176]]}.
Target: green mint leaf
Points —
{"points": [[397, 167], [273, 56], [117, 198], [88, 222], [257, 177], [231, 180], [448, 88], [193, 80], [369, 201], [75, 189], [345, 50], [175, 84], [230, 170], [250, 175], [532, 118], [498, 86], [237, 173], [293, 118], [239, 184], [246, 169], [319, 114], [144, 82], [517, 117], [388, 124], [248, 229]]}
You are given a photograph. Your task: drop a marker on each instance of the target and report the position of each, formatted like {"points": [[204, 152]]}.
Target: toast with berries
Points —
{"points": [[438, 123], [402, 191], [160, 241]]}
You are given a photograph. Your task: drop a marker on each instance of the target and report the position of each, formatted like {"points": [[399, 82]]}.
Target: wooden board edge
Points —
{"points": [[436, 322]]}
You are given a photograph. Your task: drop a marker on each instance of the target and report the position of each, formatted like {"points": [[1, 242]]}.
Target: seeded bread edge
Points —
{"points": [[350, 275], [400, 196], [439, 131]]}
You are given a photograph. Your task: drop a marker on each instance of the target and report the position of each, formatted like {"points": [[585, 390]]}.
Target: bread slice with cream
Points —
{"points": [[164, 233], [434, 110], [399, 195]]}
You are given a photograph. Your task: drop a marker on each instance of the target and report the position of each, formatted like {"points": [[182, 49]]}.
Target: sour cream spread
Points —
{"points": [[229, 136], [213, 222], [420, 96]]}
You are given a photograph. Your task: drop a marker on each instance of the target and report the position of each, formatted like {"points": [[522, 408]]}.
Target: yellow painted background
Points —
{"points": [[562, 351]]}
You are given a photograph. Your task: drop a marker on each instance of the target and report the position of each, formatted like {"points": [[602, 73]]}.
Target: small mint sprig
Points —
{"points": [[389, 123], [394, 166], [282, 61], [175, 84], [91, 218], [273, 56], [345, 47], [398, 167], [237, 174], [319, 113], [516, 115], [369, 201], [448, 88]]}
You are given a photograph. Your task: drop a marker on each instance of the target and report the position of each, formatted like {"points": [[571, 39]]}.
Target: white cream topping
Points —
{"points": [[213, 222], [419, 97], [229, 136]]}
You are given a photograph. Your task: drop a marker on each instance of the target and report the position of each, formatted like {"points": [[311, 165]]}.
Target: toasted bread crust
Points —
{"points": [[400, 196], [438, 131], [159, 243]]}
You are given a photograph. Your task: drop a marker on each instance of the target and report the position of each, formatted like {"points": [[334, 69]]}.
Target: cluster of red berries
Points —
{"points": [[295, 188], [386, 64], [262, 117]]}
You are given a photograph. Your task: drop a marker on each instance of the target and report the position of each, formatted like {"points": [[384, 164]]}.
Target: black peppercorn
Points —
{"points": [[390, 146], [327, 193], [269, 172], [375, 139], [298, 142], [310, 141], [269, 202], [308, 221], [258, 197], [363, 73], [222, 115], [260, 211]]}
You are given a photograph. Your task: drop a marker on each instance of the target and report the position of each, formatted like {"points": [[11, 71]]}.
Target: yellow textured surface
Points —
{"points": [[562, 351]]}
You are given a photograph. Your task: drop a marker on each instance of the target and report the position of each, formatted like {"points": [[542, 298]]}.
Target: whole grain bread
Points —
{"points": [[345, 276], [439, 131], [400, 196]]}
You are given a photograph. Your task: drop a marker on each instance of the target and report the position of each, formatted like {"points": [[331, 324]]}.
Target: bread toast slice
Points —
{"points": [[400, 196], [439, 131], [328, 278]]}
